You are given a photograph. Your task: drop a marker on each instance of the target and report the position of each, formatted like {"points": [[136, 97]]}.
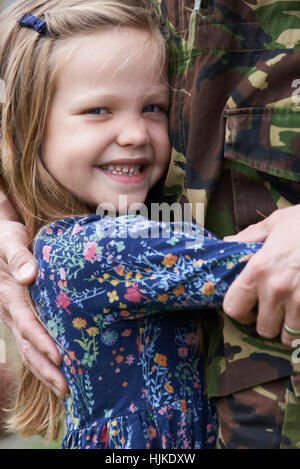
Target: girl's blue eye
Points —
{"points": [[152, 108], [98, 111]]}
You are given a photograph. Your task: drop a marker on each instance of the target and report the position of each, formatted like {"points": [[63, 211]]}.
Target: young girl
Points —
{"points": [[85, 124]]}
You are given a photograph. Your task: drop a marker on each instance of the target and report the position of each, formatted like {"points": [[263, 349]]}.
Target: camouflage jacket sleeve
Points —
{"points": [[235, 129]]}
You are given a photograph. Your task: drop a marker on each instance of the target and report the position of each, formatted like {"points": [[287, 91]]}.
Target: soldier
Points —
{"points": [[235, 129], [235, 132]]}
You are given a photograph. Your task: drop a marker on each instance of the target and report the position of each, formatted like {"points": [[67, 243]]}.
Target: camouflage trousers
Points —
{"points": [[262, 417]]}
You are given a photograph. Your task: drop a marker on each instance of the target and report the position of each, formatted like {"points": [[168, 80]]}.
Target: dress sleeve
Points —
{"points": [[130, 267]]}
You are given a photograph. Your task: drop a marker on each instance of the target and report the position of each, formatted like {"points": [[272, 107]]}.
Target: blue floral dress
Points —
{"points": [[121, 298]]}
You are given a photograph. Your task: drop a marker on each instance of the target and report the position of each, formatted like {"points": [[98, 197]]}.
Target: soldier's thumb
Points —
{"points": [[26, 273], [22, 266], [14, 252]]}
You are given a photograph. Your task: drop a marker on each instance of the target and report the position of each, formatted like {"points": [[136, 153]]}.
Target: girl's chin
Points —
{"points": [[125, 205]]}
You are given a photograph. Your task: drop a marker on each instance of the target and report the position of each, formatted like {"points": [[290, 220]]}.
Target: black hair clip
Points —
{"points": [[30, 21]]}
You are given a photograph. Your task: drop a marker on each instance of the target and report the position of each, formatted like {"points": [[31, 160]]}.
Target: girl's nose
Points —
{"points": [[133, 132]]}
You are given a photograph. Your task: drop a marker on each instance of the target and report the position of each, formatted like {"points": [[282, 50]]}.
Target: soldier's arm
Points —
{"points": [[271, 279], [18, 268]]}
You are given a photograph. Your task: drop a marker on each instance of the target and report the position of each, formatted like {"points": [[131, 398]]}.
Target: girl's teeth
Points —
{"points": [[125, 171]]}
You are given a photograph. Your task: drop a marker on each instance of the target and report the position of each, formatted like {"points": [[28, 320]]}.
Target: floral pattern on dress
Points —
{"points": [[123, 306]]}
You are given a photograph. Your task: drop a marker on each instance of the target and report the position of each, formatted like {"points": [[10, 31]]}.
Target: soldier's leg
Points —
{"points": [[262, 417]]}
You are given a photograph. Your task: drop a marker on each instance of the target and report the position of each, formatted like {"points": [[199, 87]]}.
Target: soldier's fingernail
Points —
{"points": [[229, 238], [56, 360], [58, 392], [26, 271]]}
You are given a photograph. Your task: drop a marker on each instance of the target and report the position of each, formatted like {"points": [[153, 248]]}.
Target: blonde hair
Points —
{"points": [[29, 66]]}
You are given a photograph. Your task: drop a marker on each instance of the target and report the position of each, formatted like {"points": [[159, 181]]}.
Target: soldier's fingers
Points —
{"points": [[270, 317], [279, 301], [241, 298], [288, 339], [26, 325], [19, 315], [253, 234], [291, 321], [42, 367]]}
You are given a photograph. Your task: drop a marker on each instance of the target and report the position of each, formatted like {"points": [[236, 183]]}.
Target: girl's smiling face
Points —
{"points": [[107, 130]]}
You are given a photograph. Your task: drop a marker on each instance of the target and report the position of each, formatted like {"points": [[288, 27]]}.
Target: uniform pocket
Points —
{"points": [[262, 149], [266, 139]]}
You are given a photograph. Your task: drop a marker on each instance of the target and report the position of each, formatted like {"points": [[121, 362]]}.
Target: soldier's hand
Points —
{"points": [[18, 268], [268, 289]]}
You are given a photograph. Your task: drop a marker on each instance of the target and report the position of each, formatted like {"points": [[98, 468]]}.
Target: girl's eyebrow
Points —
{"points": [[159, 93], [85, 98]]}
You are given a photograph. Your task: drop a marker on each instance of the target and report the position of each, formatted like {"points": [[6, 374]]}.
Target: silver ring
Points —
{"points": [[290, 331]]}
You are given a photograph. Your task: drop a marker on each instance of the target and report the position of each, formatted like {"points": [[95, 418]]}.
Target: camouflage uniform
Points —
{"points": [[235, 129]]}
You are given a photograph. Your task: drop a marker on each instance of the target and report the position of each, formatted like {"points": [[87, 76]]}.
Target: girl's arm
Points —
{"points": [[131, 266]]}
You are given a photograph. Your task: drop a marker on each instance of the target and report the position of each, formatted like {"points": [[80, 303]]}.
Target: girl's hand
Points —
{"points": [[18, 268], [271, 280]]}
